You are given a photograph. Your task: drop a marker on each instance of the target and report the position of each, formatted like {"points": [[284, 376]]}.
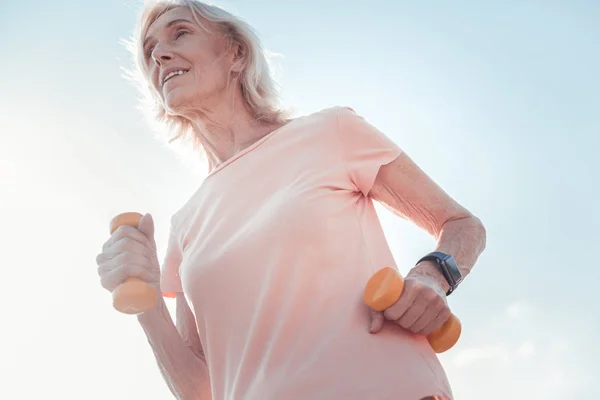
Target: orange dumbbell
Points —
{"points": [[384, 289], [134, 296]]}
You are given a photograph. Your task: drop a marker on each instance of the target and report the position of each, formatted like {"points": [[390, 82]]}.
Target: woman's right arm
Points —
{"points": [[132, 252], [177, 350]]}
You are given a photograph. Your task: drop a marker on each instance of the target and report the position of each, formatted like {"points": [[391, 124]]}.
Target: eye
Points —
{"points": [[149, 52], [179, 33]]}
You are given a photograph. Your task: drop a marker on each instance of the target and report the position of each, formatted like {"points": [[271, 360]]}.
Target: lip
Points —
{"points": [[167, 71], [169, 81]]}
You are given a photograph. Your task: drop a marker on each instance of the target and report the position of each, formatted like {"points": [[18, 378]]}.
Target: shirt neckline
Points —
{"points": [[248, 149]]}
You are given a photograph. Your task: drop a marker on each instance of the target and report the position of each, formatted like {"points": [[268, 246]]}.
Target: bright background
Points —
{"points": [[498, 101]]}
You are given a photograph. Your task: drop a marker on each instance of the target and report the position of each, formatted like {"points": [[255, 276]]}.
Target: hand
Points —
{"points": [[421, 309], [129, 252]]}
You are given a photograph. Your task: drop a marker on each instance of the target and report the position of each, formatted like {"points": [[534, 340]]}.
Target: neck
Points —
{"points": [[227, 128]]}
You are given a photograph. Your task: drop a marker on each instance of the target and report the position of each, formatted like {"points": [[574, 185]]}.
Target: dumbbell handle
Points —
{"points": [[384, 289], [134, 296]]}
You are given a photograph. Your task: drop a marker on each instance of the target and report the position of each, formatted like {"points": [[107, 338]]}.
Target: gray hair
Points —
{"points": [[259, 88]]}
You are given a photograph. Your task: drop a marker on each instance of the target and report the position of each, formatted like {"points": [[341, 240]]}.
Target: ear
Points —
{"points": [[240, 55]]}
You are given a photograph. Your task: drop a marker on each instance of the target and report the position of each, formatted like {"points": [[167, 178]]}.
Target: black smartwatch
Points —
{"points": [[447, 266]]}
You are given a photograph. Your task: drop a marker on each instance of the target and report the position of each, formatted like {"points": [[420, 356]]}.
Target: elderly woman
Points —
{"points": [[269, 258]]}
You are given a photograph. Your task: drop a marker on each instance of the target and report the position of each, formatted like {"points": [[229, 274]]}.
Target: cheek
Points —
{"points": [[199, 71], [215, 77], [204, 79], [155, 80], [152, 77]]}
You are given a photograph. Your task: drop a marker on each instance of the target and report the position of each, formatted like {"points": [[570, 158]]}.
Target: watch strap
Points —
{"points": [[447, 267]]}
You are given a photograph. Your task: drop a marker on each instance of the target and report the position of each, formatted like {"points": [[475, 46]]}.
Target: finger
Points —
{"points": [[411, 315], [106, 267], [437, 322], [429, 315], [125, 244], [434, 304], [146, 226], [377, 320], [116, 276], [124, 231], [396, 310]]}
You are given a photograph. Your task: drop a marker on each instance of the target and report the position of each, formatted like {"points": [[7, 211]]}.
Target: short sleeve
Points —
{"points": [[170, 281], [364, 148]]}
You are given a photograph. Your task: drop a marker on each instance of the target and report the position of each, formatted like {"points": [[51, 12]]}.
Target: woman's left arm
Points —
{"points": [[402, 187]]}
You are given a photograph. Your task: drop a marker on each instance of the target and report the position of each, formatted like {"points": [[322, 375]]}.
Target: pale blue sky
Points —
{"points": [[498, 101]]}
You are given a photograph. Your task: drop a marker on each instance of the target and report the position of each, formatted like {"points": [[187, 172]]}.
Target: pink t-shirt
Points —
{"points": [[273, 252]]}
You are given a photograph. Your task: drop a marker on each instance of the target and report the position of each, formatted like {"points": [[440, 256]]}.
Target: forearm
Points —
{"points": [[186, 374], [464, 239]]}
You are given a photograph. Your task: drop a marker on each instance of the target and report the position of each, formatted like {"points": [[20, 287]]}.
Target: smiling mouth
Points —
{"points": [[174, 74]]}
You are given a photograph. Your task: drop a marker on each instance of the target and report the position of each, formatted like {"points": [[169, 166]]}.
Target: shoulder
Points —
{"points": [[343, 122], [332, 112], [331, 117]]}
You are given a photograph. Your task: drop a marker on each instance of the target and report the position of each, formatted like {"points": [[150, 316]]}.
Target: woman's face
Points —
{"points": [[188, 66]]}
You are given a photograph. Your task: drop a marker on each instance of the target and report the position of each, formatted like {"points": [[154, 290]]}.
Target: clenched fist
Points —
{"points": [[421, 309], [130, 252]]}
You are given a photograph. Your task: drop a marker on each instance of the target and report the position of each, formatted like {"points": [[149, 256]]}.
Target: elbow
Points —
{"points": [[481, 232], [473, 227]]}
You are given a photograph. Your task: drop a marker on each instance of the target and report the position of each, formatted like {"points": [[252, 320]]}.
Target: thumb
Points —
{"points": [[146, 226], [376, 321]]}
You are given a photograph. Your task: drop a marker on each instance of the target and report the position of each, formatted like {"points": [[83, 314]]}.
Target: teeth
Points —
{"points": [[174, 73]]}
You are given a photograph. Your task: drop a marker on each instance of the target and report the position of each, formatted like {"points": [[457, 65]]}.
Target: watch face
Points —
{"points": [[447, 266], [453, 269]]}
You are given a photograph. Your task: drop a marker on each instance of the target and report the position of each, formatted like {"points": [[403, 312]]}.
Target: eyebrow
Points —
{"points": [[167, 26]]}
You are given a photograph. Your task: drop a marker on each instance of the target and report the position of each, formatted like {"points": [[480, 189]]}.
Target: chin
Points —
{"points": [[179, 101], [176, 102]]}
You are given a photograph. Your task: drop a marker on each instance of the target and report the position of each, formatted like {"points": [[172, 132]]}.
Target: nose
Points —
{"points": [[161, 55]]}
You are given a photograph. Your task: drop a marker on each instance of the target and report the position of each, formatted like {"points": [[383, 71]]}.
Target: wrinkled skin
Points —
{"points": [[129, 252]]}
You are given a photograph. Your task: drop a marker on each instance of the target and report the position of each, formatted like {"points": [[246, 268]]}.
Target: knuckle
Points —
{"points": [[392, 313], [441, 299], [418, 326], [388, 314], [432, 295], [445, 314], [119, 259], [122, 230], [436, 325], [116, 235], [425, 331], [415, 286], [123, 243], [428, 329], [107, 283], [437, 304], [444, 308], [142, 250], [102, 270], [149, 253], [128, 256], [135, 270], [106, 244], [404, 323]]}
